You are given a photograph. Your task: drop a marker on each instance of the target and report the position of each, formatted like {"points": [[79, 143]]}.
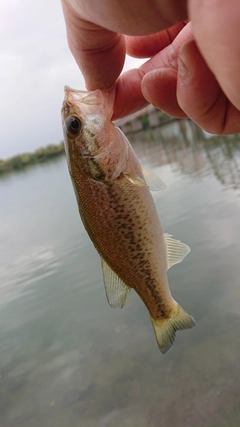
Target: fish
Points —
{"points": [[113, 192]]}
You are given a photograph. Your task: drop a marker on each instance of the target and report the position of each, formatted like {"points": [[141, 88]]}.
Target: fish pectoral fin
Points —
{"points": [[153, 181], [116, 290], [136, 180], [176, 250], [165, 330]]}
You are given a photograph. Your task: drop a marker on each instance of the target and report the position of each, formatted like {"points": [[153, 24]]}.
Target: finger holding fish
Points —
{"points": [[118, 211]]}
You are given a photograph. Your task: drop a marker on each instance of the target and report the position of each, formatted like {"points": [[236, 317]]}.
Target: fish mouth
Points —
{"points": [[89, 104], [74, 96]]}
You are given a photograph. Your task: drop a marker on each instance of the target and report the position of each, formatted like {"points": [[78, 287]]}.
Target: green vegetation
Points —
{"points": [[22, 161], [145, 122]]}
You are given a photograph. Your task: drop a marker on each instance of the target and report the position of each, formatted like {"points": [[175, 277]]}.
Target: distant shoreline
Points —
{"points": [[148, 117], [22, 161]]}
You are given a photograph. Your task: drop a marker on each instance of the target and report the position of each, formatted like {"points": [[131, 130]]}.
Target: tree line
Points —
{"points": [[22, 161]]}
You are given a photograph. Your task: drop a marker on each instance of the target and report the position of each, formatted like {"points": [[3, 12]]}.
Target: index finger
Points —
{"points": [[96, 32], [94, 49]]}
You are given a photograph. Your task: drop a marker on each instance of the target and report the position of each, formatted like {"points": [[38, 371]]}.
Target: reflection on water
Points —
{"points": [[191, 150], [67, 358]]}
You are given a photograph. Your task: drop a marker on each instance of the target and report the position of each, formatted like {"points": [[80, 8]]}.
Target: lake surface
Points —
{"points": [[66, 358]]}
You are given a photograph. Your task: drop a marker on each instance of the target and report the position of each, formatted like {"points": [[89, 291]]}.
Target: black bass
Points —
{"points": [[118, 211]]}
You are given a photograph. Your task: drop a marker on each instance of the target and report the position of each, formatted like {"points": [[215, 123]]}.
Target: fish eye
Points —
{"points": [[73, 125]]}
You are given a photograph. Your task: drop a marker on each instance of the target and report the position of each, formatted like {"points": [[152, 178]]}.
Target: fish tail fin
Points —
{"points": [[165, 329]]}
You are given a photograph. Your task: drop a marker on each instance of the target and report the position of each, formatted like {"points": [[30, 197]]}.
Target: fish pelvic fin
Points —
{"points": [[116, 290], [165, 329]]}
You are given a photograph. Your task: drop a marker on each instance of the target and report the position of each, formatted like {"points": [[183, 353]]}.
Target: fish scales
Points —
{"points": [[119, 214], [121, 234]]}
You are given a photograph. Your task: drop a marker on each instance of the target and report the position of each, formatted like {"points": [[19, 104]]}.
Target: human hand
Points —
{"points": [[208, 94]]}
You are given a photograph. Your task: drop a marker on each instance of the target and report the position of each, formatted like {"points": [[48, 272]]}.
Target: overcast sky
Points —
{"points": [[35, 64]]}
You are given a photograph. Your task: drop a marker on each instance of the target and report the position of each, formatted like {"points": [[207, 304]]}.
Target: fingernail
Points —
{"points": [[183, 69]]}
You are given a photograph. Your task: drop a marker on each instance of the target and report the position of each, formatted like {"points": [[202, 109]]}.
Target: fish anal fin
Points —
{"points": [[153, 181], [176, 250], [116, 290], [165, 330]]}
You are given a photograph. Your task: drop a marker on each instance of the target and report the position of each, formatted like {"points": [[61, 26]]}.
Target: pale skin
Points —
{"points": [[194, 70]]}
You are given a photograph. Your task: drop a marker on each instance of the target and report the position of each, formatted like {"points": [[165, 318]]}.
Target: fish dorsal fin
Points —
{"points": [[136, 180], [116, 290], [176, 250], [153, 181]]}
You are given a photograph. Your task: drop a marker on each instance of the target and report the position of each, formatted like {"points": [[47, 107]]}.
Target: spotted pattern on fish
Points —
{"points": [[131, 229]]}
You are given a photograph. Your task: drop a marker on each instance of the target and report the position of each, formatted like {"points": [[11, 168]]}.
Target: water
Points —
{"points": [[66, 358]]}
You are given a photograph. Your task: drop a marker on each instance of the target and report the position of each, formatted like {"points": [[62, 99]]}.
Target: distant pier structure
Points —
{"points": [[148, 117]]}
